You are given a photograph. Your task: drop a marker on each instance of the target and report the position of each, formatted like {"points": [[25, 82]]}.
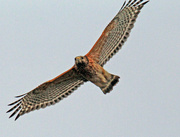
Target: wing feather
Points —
{"points": [[48, 93], [116, 33]]}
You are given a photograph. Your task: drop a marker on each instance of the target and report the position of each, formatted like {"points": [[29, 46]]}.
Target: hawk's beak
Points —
{"points": [[78, 60]]}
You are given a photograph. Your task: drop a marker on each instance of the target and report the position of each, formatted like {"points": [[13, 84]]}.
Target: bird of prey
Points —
{"points": [[86, 68]]}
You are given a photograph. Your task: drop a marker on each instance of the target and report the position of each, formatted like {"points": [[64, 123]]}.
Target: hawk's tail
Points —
{"points": [[110, 84]]}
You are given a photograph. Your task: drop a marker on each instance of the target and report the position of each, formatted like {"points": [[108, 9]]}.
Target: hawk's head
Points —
{"points": [[81, 61]]}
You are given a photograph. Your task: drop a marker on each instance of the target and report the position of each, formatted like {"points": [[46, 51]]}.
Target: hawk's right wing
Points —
{"points": [[48, 93], [116, 33]]}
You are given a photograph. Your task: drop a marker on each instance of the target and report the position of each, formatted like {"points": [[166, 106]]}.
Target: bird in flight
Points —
{"points": [[86, 68]]}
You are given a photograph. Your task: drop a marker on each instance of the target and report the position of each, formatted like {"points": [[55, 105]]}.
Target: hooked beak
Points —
{"points": [[79, 62]]}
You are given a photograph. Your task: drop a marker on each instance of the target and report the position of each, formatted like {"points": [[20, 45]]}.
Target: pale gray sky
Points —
{"points": [[39, 40]]}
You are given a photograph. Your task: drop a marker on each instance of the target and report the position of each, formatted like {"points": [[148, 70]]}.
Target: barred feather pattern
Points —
{"points": [[111, 40], [117, 32], [47, 94]]}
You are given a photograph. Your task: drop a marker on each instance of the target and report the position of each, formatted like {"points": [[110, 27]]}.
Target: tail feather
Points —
{"points": [[111, 84]]}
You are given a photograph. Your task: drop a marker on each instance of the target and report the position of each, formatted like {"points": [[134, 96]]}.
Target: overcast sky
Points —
{"points": [[39, 40]]}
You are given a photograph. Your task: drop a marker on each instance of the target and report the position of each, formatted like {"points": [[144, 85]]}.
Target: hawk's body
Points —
{"points": [[86, 68], [92, 71]]}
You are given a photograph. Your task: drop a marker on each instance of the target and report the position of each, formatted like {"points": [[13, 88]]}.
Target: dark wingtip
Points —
{"points": [[145, 2], [14, 102], [20, 95], [15, 112], [10, 110], [17, 117], [123, 5], [128, 3], [13, 107], [12, 114], [142, 5]]}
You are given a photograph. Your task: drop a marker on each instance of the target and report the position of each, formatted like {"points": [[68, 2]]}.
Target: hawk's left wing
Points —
{"points": [[48, 93], [116, 33]]}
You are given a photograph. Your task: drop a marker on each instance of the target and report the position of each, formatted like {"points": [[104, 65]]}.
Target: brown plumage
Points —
{"points": [[86, 68]]}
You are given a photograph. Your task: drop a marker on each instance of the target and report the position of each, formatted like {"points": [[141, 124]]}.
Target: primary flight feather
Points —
{"points": [[86, 68]]}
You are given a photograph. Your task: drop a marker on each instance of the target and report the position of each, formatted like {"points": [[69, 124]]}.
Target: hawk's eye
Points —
{"points": [[75, 59], [81, 57]]}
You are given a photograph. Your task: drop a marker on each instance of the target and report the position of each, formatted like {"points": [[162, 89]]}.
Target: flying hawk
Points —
{"points": [[86, 68]]}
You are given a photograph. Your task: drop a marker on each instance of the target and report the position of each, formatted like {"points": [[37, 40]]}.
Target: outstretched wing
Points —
{"points": [[47, 93], [116, 33]]}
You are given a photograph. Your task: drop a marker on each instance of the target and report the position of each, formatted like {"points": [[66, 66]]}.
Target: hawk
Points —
{"points": [[86, 68]]}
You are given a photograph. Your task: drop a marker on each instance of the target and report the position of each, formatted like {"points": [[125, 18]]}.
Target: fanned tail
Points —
{"points": [[110, 84]]}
